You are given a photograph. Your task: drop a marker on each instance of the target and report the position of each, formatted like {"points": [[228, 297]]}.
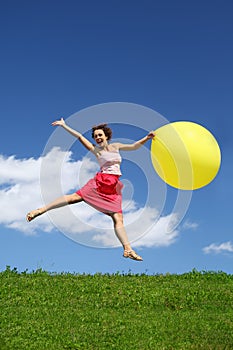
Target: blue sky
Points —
{"points": [[60, 58]]}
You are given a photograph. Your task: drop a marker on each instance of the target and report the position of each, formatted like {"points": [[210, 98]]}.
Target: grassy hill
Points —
{"points": [[41, 310]]}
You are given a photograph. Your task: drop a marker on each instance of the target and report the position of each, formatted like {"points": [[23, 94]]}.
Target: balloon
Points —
{"points": [[185, 155]]}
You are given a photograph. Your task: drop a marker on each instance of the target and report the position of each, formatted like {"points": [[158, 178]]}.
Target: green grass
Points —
{"points": [[40, 311]]}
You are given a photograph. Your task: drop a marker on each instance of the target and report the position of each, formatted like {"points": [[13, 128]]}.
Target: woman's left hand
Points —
{"points": [[151, 135]]}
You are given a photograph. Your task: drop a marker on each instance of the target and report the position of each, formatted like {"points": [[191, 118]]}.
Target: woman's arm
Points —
{"points": [[75, 133], [134, 146]]}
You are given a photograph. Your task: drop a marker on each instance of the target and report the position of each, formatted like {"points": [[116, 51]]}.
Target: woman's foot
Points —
{"points": [[132, 255], [33, 214]]}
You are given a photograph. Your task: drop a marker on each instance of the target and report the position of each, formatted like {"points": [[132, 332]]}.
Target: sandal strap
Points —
{"points": [[132, 255]]}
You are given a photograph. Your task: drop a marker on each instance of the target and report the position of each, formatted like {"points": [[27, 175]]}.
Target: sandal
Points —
{"points": [[33, 214], [132, 255]]}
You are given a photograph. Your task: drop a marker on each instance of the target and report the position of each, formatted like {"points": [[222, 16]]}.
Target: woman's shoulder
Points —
{"points": [[113, 147]]}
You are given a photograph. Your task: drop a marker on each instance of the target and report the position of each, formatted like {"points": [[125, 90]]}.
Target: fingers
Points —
{"points": [[58, 122], [151, 134]]}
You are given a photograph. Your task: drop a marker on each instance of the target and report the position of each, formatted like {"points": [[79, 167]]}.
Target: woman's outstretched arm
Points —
{"points": [[134, 146], [75, 133]]}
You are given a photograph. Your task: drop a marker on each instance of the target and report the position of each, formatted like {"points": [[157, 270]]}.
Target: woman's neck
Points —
{"points": [[104, 147]]}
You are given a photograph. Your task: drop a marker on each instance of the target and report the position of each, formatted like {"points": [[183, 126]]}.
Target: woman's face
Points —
{"points": [[100, 137]]}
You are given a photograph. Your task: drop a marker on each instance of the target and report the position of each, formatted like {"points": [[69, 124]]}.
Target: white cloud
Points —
{"points": [[226, 247], [188, 225], [55, 174], [23, 179]]}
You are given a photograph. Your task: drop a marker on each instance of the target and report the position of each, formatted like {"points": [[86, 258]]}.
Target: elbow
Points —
{"points": [[136, 146]]}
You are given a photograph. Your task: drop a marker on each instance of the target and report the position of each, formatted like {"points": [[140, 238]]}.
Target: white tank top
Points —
{"points": [[109, 162]]}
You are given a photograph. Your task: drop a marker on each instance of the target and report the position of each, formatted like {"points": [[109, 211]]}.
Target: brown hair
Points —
{"points": [[107, 131]]}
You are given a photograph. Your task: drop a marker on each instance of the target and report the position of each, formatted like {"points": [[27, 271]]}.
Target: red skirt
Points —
{"points": [[103, 192]]}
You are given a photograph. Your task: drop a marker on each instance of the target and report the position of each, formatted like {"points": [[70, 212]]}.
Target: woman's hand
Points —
{"points": [[151, 135], [60, 122]]}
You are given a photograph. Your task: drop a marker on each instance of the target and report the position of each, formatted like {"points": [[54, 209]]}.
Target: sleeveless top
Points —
{"points": [[109, 162]]}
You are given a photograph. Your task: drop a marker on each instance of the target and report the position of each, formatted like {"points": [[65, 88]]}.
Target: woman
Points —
{"points": [[103, 192]]}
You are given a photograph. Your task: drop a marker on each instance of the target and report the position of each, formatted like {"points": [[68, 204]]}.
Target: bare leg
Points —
{"points": [[122, 236], [62, 201], [57, 203]]}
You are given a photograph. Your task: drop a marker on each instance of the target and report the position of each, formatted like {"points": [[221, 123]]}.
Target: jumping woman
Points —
{"points": [[103, 192]]}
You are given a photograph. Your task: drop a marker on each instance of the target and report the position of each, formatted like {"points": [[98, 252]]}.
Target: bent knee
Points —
{"points": [[118, 218], [74, 198]]}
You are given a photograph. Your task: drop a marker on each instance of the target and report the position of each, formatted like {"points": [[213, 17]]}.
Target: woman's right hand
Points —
{"points": [[60, 122]]}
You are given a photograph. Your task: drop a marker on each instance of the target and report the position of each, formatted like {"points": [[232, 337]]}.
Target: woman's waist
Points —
{"points": [[111, 169], [108, 183]]}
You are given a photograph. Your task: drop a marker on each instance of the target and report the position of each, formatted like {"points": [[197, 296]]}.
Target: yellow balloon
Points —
{"points": [[185, 155]]}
